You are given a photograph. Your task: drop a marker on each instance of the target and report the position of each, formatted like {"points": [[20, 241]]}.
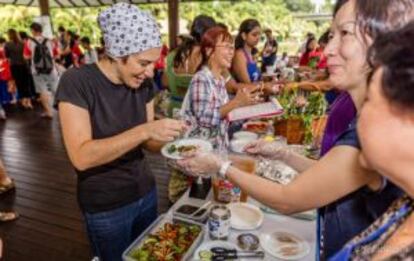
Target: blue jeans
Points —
{"points": [[111, 232]]}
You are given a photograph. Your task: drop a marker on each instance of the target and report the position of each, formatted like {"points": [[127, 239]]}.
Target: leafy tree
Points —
{"points": [[82, 21], [304, 6], [275, 14], [16, 17]]}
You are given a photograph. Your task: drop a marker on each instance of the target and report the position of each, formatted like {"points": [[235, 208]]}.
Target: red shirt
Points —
{"points": [[76, 54], [5, 73], [323, 62], [26, 49], [160, 64], [307, 58], [304, 59]]}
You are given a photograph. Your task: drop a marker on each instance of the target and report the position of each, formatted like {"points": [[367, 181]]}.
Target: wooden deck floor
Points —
{"points": [[50, 226]]}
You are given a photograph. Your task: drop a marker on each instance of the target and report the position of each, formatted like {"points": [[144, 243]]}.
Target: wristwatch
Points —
{"points": [[223, 169]]}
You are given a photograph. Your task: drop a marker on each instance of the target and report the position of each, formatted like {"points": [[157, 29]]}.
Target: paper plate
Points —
{"points": [[284, 245], [239, 145], [245, 216], [202, 146]]}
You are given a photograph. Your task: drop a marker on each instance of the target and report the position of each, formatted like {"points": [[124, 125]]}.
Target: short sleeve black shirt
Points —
{"points": [[113, 109]]}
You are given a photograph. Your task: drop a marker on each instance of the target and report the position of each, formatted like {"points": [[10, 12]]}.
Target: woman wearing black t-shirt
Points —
{"points": [[106, 113]]}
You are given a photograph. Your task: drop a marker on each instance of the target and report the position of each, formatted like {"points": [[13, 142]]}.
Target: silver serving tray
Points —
{"points": [[156, 225]]}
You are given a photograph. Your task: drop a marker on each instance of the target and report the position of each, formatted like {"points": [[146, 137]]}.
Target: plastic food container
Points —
{"points": [[155, 226], [181, 212]]}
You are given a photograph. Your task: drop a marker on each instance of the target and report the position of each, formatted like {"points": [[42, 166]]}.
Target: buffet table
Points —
{"points": [[306, 229]]}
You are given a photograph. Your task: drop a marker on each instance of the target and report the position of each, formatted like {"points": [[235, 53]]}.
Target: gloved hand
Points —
{"points": [[203, 165], [272, 150]]}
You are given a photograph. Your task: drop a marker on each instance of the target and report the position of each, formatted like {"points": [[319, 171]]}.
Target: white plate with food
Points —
{"points": [[238, 146], [284, 245], [259, 127], [245, 216], [183, 148]]}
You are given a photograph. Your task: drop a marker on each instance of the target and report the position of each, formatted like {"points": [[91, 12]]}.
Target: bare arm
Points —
{"points": [[67, 50], [228, 107], [152, 145], [240, 67], [85, 152], [244, 97], [164, 80], [232, 86], [323, 85], [298, 162], [334, 176]]}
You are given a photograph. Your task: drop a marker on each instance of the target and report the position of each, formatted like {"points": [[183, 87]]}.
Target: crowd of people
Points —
{"points": [[31, 64], [361, 185]]}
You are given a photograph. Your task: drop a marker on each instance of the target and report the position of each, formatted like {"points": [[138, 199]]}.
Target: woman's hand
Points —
{"points": [[201, 165], [245, 96], [272, 88], [271, 150]]}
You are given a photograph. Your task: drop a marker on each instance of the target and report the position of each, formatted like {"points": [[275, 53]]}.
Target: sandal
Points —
{"points": [[7, 187], [8, 216]]}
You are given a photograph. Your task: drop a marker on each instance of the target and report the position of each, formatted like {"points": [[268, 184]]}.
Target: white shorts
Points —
{"points": [[46, 82]]}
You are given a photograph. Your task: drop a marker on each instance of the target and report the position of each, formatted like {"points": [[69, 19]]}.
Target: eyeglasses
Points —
{"points": [[229, 47]]}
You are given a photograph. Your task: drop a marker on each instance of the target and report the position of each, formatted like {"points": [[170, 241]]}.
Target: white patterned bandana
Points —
{"points": [[127, 30]]}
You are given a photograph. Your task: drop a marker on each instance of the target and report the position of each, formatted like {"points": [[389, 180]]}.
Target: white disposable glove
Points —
{"points": [[203, 165], [271, 150]]}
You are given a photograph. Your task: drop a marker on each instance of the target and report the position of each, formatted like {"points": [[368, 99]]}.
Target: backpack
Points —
{"points": [[42, 59]]}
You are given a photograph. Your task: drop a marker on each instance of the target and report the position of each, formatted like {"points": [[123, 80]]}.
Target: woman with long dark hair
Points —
{"points": [[183, 62], [19, 69], [311, 46], [244, 66], [72, 54]]}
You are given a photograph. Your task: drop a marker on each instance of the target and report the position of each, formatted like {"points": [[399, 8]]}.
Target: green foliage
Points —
{"points": [[274, 14], [304, 6], [328, 6], [16, 17], [81, 21], [303, 105]]}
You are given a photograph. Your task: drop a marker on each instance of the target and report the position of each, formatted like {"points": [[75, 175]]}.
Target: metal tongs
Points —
{"points": [[221, 254]]}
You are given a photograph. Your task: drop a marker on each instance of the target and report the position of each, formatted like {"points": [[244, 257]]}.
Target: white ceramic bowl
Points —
{"points": [[245, 135], [245, 216]]}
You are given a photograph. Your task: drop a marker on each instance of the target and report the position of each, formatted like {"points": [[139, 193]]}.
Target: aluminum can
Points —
{"points": [[219, 222]]}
